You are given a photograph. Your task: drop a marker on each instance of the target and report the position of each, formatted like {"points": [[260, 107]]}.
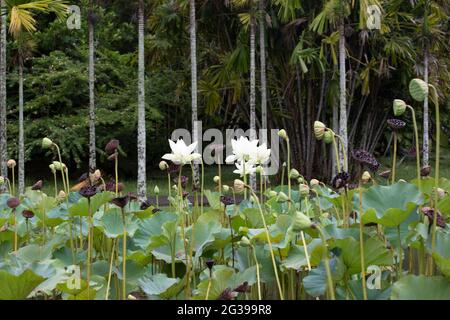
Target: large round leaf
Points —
{"points": [[389, 205], [18, 287], [421, 288]]}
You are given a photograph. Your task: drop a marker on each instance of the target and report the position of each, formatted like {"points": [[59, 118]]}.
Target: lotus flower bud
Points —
{"points": [[399, 107], [2, 180], [156, 190], [112, 146], [163, 166], [245, 242], [301, 180], [366, 177], [282, 197], [314, 182], [328, 137], [47, 143], [225, 188], [239, 186], [273, 194], [418, 89], [283, 134], [294, 174], [216, 179], [62, 195], [319, 130], [301, 222], [52, 168], [304, 190], [259, 170], [11, 163]]}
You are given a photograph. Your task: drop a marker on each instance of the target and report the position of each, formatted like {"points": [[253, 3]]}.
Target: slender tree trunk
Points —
{"points": [[142, 177], [262, 45], [252, 90], [193, 38], [21, 134], [426, 118], [3, 129], [343, 93], [92, 145]]}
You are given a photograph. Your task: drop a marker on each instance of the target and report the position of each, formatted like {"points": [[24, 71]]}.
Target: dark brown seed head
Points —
{"points": [[121, 202], [227, 201], [340, 180], [13, 203], [227, 294], [38, 185], [88, 192], [243, 288], [28, 214], [112, 146], [396, 124], [366, 159], [210, 263], [425, 171]]}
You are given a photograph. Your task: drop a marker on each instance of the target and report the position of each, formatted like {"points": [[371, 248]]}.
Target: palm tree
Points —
{"points": [[21, 17], [92, 146], [193, 40], [25, 48], [3, 130], [142, 176]]}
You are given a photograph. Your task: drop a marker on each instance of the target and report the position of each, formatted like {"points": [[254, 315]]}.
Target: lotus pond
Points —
{"points": [[298, 240]]}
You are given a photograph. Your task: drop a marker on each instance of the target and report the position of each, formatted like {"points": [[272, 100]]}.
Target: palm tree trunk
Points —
{"points": [[426, 118], [193, 39], [343, 93], [92, 146], [262, 45], [21, 134], [3, 130], [142, 178], [253, 90]]}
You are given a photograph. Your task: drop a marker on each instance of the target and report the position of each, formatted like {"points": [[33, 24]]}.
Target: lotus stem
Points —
{"points": [[305, 247], [394, 157], [15, 230], [110, 269], [124, 256], [400, 253], [89, 257], [169, 185], [341, 142], [330, 284], [336, 152], [13, 181], [275, 270], [289, 170], [416, 137], [116, 170], [56, 184], [361, 243], [258, 278]]}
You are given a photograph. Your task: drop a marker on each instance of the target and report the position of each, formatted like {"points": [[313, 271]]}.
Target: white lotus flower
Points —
{"points": [[245, 168], [181, 153], [261, 155], [242, 150]]}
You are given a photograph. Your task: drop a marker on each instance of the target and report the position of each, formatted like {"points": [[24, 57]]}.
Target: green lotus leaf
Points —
{"points": [[81, 208], [389, 205], [297, 258], [150, 228], [206, 227], [112, 223], [18, 287], [413, 287], [442, 253], [157, 284], [374, 253], [316, 281]]}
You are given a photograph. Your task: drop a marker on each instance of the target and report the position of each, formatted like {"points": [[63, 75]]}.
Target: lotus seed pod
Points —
{"points": [[418, 89], [163, 166], [304, 190], [245, 242], [225, 188], [58, 165], [156, 190], [399, 107], [239, 186], [11, 163], [366, 177], [216, 179], [301, 222], [328, 137], [13, 203], [319, 130], [282, 197], [294, 174], [314, 182], [112, 146], [52, 168], [47, 143]]}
